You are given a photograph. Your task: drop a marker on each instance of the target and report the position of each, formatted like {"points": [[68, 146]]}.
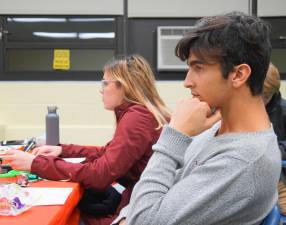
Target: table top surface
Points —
{"points": [[46, 215]]}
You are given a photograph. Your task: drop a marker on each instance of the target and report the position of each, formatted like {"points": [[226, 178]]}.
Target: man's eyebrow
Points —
{"points": [[195, 62]]}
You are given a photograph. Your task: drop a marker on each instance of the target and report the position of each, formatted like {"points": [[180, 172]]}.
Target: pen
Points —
{"points": [[29, 146]]}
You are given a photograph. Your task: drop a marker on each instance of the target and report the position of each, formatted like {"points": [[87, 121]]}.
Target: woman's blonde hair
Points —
{"points": [[272, 82], [138, 82]]}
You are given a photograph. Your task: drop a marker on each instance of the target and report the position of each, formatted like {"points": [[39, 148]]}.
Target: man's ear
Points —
{"points": [[240, 74]]}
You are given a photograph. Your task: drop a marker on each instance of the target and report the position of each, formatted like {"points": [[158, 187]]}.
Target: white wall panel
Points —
{"points": [[85, 135], [184, 8], [283, 89], [70, 7], [81, 124], [83, 119], [271, 8]]}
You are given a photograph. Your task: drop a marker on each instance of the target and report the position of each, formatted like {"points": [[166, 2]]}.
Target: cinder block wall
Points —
{"points": [[83, 119], [283, 89]]}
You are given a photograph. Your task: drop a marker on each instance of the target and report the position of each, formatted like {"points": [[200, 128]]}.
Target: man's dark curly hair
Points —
{"points": [[230, 40]]}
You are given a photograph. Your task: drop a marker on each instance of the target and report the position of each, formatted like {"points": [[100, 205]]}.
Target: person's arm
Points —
{"points": [[282, 142], [121, 219], [282, 147], [158, 199], [71, 150], [134, 133]]}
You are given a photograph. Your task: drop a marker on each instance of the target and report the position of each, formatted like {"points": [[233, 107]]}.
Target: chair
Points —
{"points": [[283, 217], [273, 218], [282, 220]]}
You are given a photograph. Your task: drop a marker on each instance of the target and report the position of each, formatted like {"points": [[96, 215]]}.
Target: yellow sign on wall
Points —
{"points": [[61, 59]]}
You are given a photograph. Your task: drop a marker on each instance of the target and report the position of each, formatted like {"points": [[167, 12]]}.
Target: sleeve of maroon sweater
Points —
{"points": [[133, 134], [71, 150]]}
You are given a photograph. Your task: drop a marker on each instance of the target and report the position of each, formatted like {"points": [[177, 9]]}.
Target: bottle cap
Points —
{"points": [[52, 108]]}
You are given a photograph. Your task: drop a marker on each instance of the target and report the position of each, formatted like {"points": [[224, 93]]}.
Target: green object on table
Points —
{"points": [[32, 176], [11, 173]]}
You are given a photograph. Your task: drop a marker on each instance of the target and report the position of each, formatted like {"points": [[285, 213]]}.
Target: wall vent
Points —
{"points": [[167, 38]]}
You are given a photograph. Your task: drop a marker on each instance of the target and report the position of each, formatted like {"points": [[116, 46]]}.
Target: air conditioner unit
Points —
{"points": [[167, 39]]}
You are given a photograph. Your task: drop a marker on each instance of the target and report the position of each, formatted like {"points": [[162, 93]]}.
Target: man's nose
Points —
{"points": [[188, 82]]}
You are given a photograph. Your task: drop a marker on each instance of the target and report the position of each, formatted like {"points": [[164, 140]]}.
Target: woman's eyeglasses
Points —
{"points": [[104, 83]]}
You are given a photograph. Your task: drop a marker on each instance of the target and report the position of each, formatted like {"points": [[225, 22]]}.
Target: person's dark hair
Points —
{"points": [[230, 40]]}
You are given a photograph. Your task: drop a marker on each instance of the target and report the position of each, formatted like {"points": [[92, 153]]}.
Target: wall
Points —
{"points": [[140, 27], [183, 8], [271, 8], [83, 119], [136, 8], [283, 89], [69, 7]]}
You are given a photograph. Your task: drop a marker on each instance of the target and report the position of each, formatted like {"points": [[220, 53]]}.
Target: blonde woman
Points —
{"points": [[128, 89]]}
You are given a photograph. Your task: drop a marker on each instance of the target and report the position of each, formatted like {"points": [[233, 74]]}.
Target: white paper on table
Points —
{"points": [[49, 196], [7, 147], [74, 160]]}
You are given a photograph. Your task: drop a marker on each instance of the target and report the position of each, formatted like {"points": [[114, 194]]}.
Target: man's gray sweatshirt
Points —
{"points": [[226, 179]]}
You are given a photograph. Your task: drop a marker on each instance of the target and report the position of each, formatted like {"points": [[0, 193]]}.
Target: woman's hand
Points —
{"points": [[47, 150], [18, 160]]}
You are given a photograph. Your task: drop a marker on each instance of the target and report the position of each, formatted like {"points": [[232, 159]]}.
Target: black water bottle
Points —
{"points": [[52, 126]]}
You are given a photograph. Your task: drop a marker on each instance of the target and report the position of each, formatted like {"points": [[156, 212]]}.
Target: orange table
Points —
{"points": [[65, 214]]}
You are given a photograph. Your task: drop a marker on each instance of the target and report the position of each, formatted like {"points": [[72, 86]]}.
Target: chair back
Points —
{"points": [[273, 218]]}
